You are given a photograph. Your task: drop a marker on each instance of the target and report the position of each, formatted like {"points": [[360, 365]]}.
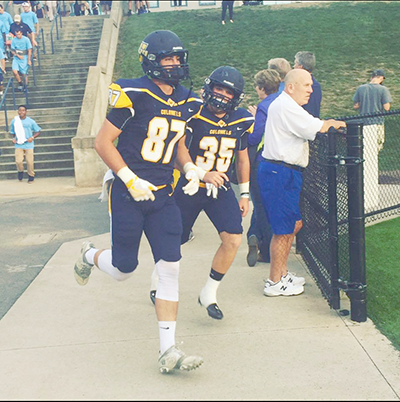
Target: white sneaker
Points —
{"points": [[175, 359], [294, 279], [281, 289], [82, 268]]}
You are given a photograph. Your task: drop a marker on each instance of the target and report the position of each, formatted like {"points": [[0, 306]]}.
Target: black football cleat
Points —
{"points": [[213, 311]]}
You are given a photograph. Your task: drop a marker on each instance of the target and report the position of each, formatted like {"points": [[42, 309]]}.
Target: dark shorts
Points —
{"points": [[280, 189], [160, 220], [223, 212]]}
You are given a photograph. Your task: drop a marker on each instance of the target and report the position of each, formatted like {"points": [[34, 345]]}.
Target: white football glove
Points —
{"points": [[193, 183], [193, 174], [140, 190], [212, 190]]}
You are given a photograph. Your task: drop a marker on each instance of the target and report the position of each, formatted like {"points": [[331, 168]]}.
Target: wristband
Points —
{"points": [[191, 166], [127, 176], [244, 189]]}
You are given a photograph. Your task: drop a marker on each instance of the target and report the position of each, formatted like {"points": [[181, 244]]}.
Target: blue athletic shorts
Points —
{"points": [[160, 220], [223, 212], [280, 189]]}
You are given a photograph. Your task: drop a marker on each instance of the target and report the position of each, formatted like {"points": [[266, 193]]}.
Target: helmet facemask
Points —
{"points": [[226, 77]]}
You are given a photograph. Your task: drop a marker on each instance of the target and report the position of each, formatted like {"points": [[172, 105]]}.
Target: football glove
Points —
{"points": [[193, 174], [139, 189], [212, 190]]}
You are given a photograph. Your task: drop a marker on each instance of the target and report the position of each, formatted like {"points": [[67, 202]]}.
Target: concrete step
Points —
{"points": [[51, 163], [7, 161], [40, 172], [64, 112], [40, 146]]}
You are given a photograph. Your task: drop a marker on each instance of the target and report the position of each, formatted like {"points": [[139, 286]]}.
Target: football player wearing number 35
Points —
{"points": [[149, 117], [218, 139]]}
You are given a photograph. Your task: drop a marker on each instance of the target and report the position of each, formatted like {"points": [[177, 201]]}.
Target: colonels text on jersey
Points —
{"points": [[152, 123]]}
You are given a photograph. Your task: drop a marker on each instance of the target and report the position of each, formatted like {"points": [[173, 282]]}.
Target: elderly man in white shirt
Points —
{"points": [[285, 155]]}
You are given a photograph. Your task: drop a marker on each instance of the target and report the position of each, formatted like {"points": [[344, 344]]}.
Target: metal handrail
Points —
{"points": [[41, 32], [3, 104], [55, 23]]}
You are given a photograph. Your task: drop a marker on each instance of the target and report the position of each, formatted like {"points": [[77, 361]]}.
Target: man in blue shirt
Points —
{"points": [[5, 18], [30, 18], [21, 48], [25, 130], [306, 61]]}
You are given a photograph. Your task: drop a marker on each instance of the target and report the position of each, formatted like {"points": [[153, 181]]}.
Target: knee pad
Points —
{"points": [[105, 265], [168, 285]]}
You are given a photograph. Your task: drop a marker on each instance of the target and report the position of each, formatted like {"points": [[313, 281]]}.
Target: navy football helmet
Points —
{"points": [[154, 48], [227, 77]]}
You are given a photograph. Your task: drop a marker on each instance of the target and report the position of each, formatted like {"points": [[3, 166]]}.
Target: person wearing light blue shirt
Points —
{"points": [[5, 18], [21, 48], [30, 18], [30, 130]]}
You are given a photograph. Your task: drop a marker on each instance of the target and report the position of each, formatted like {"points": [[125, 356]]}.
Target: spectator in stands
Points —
{"points": [[177, 4], [30, 18], [259, 233], [24, 131], [51, 9], [227, 4], [21, 48], [40, 10], [306, 61], [95, 7], [15, 7], [283, 67], [106, 7], [5, 18], [142, 7], [285, 156]]}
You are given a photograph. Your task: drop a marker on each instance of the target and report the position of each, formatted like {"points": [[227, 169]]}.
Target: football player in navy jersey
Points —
{"points": [[148, 118], [218, 136]]}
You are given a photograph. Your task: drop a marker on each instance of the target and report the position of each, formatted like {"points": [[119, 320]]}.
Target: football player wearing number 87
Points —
{"points": [[148, 117], [218, 139]]}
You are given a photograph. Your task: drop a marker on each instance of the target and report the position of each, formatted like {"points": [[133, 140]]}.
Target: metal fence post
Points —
{"points": [[355, 179], [333, 218]]}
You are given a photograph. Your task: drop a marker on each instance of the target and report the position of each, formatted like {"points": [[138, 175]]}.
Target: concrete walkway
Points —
{"points": [[61, 341]]}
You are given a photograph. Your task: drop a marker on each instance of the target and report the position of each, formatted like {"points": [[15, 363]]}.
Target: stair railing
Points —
{"points": [[55, 24], [41, 37], [3, 104]]}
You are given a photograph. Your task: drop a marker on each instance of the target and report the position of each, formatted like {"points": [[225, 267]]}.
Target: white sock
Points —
{"points": [[89, 255], [105, 265], [208, 294], [167, 335]]}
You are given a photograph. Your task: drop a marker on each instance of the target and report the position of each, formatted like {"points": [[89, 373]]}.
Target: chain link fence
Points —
{"points": [[341, 167]]}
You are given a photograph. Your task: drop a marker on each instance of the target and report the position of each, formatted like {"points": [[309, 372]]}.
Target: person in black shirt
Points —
{"points": [[18, 25]]}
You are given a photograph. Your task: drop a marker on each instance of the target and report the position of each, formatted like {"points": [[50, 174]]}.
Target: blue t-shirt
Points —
{"points": [[30, 18], [30, 127], [6, 19]]}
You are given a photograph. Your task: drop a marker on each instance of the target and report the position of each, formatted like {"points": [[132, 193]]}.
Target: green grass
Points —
{"points": [[383, 277], [349, 39]]}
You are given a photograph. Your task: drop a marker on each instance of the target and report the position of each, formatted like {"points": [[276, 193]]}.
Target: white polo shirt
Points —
{"points": [[287, 131]]}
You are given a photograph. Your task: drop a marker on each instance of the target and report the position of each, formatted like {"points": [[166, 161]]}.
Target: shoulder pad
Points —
{"points": [[117, 98]]}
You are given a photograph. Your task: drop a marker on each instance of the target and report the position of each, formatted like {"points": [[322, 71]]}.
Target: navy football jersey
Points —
{"points": [[214, 141], [152, 123]]}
